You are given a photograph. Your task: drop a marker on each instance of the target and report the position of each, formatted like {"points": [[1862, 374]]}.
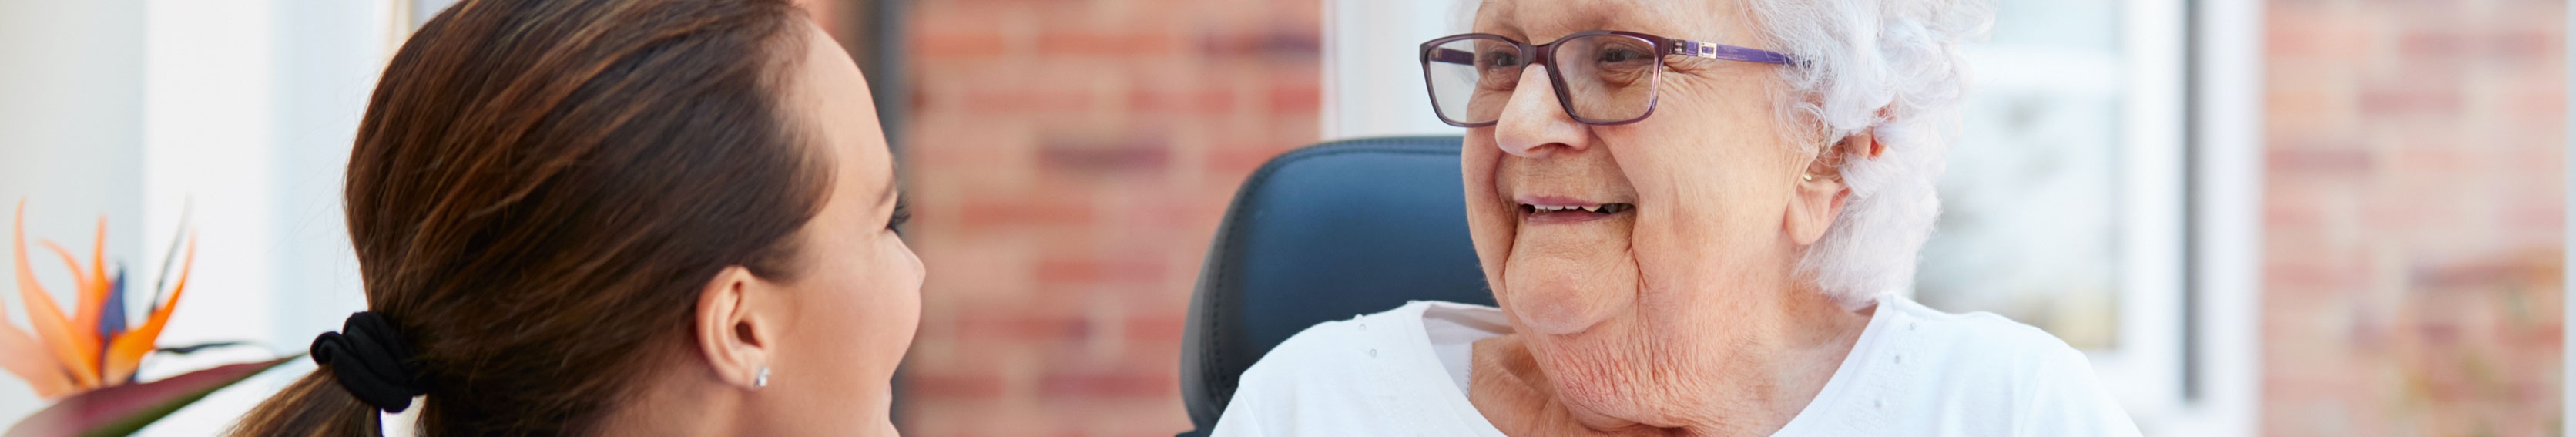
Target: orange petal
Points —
{"points": [[23, 356], [87, 315], [79, 357], [93, 291], [126, 353]]}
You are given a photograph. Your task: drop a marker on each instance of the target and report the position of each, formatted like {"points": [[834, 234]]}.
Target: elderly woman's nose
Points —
{"points": [[1533, 123]]}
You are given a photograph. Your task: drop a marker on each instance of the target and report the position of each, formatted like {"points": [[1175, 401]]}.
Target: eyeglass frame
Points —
{"points": [[1545, 55]]}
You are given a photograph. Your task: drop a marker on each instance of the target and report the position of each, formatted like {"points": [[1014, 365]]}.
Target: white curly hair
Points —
{"points": [[1890, 68]]}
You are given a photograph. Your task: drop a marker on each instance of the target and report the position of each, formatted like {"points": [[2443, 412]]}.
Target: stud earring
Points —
{"points": [[1809, 177], [762, 380]]}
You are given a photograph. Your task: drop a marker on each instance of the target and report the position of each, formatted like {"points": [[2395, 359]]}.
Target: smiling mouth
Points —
{"points": [[1572, 213]]}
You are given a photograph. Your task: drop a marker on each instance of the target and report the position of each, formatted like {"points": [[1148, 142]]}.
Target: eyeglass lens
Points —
{"points": [[1602, 78]]}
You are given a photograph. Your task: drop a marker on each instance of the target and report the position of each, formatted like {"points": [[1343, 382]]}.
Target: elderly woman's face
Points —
{"points": [[1610, 303]]}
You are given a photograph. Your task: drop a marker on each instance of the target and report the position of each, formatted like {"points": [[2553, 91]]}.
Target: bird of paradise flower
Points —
{"points": [[86, 361]]}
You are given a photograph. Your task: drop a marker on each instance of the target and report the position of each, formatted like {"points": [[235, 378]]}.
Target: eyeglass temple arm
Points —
{"points": [[1698, 49]]}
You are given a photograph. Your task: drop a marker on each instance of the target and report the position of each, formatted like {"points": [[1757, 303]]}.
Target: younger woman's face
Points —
{"points": [[851, 313]]}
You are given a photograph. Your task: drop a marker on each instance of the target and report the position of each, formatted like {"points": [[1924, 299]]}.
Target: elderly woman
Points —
{"points": [[1699, 218]]}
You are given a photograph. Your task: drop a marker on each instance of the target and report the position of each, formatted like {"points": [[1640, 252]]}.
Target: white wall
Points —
{"points": [[245, 110], [252, 106], [70, 138]]}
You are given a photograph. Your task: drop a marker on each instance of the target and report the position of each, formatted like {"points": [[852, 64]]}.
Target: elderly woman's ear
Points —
{"points": [[1820, 189]]}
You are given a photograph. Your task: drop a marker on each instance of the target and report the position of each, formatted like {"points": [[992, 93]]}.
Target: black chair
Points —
{"points": [[1325, 233]]}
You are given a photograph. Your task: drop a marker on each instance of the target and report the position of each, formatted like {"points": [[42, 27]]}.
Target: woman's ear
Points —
{"points": [[735, 339], [1818, 196]]}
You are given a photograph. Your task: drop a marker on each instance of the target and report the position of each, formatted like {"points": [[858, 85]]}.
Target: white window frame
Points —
{"points": [[1370, 54], [2226, 219]]}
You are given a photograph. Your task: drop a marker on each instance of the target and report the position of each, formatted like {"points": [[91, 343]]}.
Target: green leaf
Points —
{"points": [[125, 409]]}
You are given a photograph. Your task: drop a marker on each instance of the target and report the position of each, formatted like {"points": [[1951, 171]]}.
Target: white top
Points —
{"points": [[1915, 372]]}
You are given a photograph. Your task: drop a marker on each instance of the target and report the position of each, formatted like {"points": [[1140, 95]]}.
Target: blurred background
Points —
{"points": [[2282, 217]]}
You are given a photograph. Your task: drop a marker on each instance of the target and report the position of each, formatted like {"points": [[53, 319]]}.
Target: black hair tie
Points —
{"points": [[372, 362]]}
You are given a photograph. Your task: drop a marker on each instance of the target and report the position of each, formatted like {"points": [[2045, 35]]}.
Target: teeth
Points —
{"points": [[1602, 208]]}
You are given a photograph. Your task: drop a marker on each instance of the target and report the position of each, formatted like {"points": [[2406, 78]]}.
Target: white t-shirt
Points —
{"points": [[1914, 372]]}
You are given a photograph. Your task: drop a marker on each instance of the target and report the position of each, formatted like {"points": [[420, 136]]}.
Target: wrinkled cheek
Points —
{"points": [[1490, 220]]}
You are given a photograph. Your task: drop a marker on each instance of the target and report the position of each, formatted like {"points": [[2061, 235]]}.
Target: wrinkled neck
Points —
{"points": [[1761, 391], [1775, 366]]}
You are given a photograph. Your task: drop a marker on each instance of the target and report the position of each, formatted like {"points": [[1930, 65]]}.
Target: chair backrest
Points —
{"points": [[1324, 233]]}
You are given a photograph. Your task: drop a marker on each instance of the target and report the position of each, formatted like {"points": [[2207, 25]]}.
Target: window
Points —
{"points": [[2064, 206]]}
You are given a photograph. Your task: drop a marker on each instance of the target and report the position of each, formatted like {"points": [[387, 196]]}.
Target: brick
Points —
{"points": [[1057, 212], [960, 45], [1090, 44], [1296, 44], [1161, 329], [1180, 101], [1296, 99], [1121, 384], [1130, 156], [1097, 271], [953, 386], [2522, 44], [1016, 101], [2317, 160], [1012, 326], [1070, 159], [2398, 101]]}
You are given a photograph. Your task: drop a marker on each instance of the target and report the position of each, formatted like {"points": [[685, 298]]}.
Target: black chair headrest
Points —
{"points": [[1324, 233]]}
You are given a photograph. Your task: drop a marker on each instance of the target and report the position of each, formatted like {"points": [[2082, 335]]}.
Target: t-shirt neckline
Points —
{"points": [[1863, 349]]}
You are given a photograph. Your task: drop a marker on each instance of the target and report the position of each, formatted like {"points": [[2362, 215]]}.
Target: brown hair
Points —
{"points": [[539, 190]]}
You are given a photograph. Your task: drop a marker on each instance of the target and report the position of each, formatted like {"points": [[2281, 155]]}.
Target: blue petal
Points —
{"points": [[111, 320]]}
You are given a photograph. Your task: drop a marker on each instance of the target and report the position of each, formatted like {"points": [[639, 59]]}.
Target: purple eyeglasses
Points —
{"points": [[1614, 73]]}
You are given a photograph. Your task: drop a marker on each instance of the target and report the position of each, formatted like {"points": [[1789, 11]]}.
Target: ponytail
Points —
{"points": [[537, 191], [365, 368], [314, 406]]}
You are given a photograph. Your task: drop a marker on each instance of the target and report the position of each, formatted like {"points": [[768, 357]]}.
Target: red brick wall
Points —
{"points": [[1068, 161], [2414, 202]]}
